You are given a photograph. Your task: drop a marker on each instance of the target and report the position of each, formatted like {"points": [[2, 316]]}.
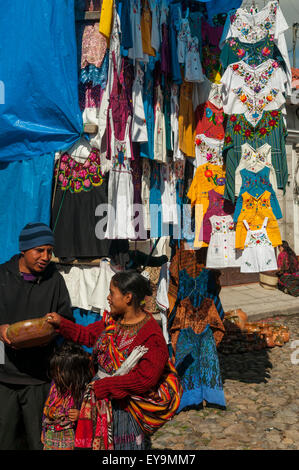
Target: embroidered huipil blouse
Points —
{"points": [[235, 50], [270, 129], [207, 151], [253, 27], [256, 184], [251, 90], [254, 211], [221, 252], [254, 161]]}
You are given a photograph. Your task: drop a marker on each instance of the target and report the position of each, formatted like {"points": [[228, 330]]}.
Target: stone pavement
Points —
{"points": [[262, 401], [257, 301], [260, 387]]}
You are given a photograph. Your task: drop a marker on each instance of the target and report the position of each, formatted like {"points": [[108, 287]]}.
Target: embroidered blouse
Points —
{"points": [[256, 184], [235, 50], [255, 160], [207, 151], [270, 129], [210, 120], [251, 90], [253, 27]]}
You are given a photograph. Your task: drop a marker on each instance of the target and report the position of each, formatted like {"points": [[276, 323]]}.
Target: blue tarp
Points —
{"points": [[25, 196], [38, 78]]}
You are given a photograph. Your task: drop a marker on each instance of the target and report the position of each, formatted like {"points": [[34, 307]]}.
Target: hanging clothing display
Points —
{"points": [[254, 211], [258, 254], [221, 251], [218, 206], [270, 129]]}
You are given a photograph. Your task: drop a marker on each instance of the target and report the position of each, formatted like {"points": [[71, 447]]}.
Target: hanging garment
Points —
{"points": [[155, 33], [270, 129], [252, 27], [221, 252], [136, 52], [139, 128], [250, 91], [218, 7], [160, 153], [186, 120], [254, 211], [81, 189], [175, 15], [147, 148], [106, 19], [207, 91], [169, 195], [193, 68], [120, 188], [94, 45], [210, 120], [162, 298], [174, 121], [183, 38], [88, 286], [145, 192], [195, 307], [206, 177], [146, 28], [254, 161], [258, 254], [255, 184], [198, 367], [208, 150], [254, 54], [218, 206], [211, 63]]}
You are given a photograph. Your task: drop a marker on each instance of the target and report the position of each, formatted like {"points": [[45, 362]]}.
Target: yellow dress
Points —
{"points": [[254, 210], [186, 120], [106, 18], [146, 29], [206, 178]]}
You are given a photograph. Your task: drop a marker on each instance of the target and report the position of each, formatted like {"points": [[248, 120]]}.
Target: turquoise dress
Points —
{"points": [[256, 184], [271, 130]]}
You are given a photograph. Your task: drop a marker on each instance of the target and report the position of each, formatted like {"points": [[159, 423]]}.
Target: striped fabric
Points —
{"points": [[271, 130], [35, 234], [154, 409]]}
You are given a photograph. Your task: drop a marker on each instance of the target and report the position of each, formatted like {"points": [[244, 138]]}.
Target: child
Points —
{"points": [[71, 371]]}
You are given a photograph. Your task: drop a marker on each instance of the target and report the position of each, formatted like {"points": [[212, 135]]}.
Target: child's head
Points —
{"points": [[70, 369]]}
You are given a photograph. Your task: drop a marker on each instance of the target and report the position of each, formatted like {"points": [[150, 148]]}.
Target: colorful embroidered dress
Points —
{"points": [[221, 252], [253, 27], [58, 431], [254, 54], [254, 211], [80, 189], [258, 254], [251, 90], [270, 129]]}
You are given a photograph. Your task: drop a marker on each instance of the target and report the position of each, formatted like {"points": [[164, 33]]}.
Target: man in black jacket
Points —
{"points": [[30, 287]]}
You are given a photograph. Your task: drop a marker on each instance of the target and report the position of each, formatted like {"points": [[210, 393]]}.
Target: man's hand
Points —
{"points": [[74, 414], [3, 334], [54, 319]]}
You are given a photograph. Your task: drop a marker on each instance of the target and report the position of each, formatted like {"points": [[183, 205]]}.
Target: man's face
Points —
{"points": [[37, 259]]}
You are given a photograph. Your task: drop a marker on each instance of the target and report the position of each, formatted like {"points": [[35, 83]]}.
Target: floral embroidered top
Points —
{"points": [[256, 184], [210, 120], [74, 176], [207, 151], [251, 90], [254, 161], [254, 211], [235, 50], [252, 27], [271, 129]]}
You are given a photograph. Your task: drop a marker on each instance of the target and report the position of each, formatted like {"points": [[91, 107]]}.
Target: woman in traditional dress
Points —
{"points": [[136, 388], [288, 273]]}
